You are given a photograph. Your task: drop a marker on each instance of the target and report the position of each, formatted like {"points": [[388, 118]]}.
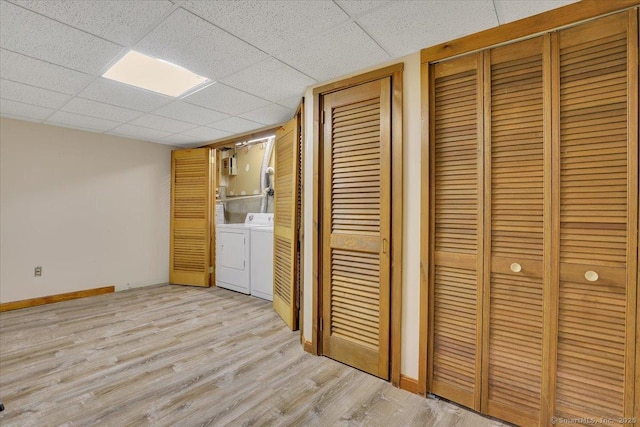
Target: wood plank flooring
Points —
{"points": [[181, 356]]}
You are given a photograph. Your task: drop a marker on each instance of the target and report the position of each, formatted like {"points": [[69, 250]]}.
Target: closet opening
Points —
{"points": [[231, 202], [244, 195], [256, 226]]}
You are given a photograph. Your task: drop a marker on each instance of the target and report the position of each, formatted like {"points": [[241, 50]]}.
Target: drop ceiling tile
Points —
{"points": [[32, 95], [405, 27], [27, 119], [225, 99], [34, 72], [162, 123], [204, 133], [291, 103], [170, 143], [236, 125], [63, 118], [179, 139], [190, 113], [37, 36], [512, 10], [359, 7], [122, 22], [100, 110], [270, 25], [270, 115], [282, 82], [122, 95], [193, 43], [18, 109], [139, 132], [341, 51], [188, 144]]}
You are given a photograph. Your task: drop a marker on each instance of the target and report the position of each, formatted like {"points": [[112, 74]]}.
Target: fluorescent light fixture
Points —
{"points": [[154, 74], [255, 141], [265, 139]]}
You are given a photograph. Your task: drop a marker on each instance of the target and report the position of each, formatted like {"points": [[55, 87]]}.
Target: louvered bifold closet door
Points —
{"points": [[190, 238], [356, 226], [456, 273], [299, 211], [515, 170], [285, 220], [598, 173]]}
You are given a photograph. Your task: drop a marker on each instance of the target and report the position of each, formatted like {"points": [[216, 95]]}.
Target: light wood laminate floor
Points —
{"points": [[181, 356]]}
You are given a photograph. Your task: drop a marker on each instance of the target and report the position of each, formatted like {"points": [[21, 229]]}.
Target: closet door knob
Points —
{"points": [[516, 268], [591, 276]]}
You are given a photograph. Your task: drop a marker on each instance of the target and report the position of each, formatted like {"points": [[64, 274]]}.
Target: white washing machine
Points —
{"points": [[262, 261], [233, 252]]}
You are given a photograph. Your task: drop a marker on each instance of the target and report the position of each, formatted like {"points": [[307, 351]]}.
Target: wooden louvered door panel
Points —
{"points": [[356, 226], [285, 224], [513, 311], [598, 173], [456, 273], [190, 217], [299, 211]]}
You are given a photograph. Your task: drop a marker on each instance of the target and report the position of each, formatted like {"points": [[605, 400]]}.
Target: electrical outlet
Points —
{"points": [[37, 272]]}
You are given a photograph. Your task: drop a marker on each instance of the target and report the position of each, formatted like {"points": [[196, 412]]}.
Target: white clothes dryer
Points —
{"points": [[233, 252]]}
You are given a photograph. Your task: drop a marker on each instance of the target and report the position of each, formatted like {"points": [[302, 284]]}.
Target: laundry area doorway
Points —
{"points": [[233, 197], [243, 206]]}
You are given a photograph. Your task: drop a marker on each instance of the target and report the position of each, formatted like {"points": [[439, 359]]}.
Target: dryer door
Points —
{"points": [[232, 260]]}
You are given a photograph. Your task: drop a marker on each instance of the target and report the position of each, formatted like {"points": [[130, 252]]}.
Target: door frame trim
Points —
{"points": [[395, 73]]}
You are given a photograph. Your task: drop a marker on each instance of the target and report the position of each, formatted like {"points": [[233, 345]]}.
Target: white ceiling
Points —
{"points": [[262, 54]]}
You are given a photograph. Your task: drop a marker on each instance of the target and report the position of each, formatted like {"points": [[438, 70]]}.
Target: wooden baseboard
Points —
{"points": [[15, 305], [409, 384], [308, 346]]}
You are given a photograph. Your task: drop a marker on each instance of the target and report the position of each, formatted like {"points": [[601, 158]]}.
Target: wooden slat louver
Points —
{"points": [[354, 300], [516, 172], [190, 210], [456, 273], [596, 314], [357, 229], [285, 223], [282, 279]]}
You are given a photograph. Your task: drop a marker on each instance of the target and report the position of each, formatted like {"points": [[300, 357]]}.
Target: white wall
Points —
{"points": [[411, 211], [91, 209]]}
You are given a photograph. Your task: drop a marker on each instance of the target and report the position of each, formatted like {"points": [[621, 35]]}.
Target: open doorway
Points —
{"points": [[244, 206], [238, 188], [258, 217]]}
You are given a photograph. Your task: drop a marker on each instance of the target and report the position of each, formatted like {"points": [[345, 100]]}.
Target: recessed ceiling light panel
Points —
{"points": [[154, 74]]}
